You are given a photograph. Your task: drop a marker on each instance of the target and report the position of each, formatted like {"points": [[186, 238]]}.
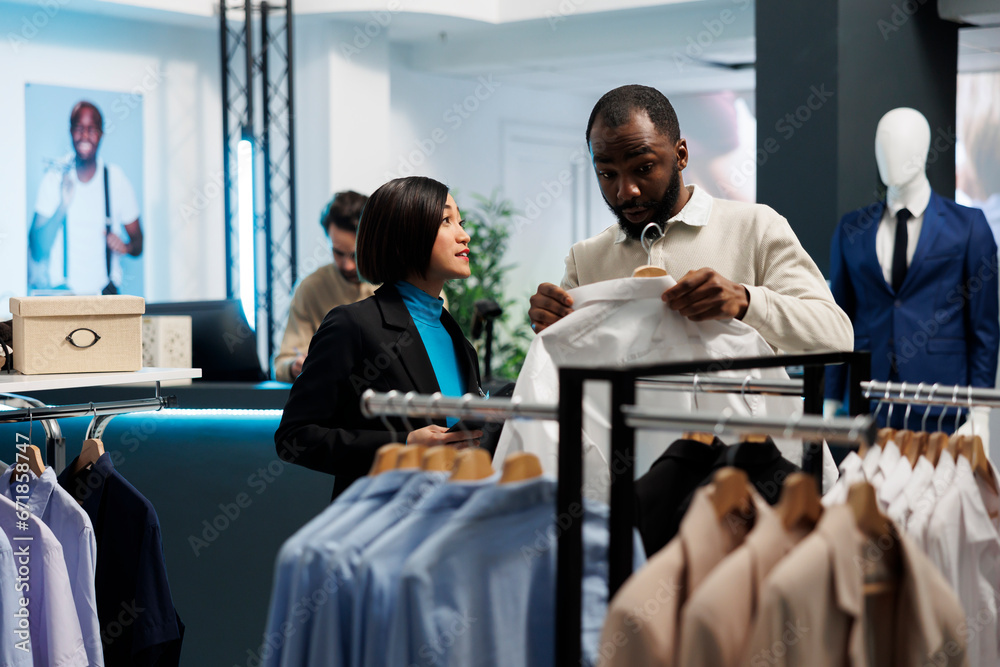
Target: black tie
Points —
{"points": [[899, 251]]}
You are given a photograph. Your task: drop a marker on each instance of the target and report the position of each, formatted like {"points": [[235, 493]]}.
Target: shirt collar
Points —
{"points": [[889, 459], [500, 499], [705, 539], [452, 495], [769, 542], [894, 206], [694, 214], [83, 486], [422, 306], [388, 482], [870, 464]]}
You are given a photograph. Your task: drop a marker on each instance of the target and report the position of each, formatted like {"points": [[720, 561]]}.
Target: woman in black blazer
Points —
{"points": [[411, 239]]}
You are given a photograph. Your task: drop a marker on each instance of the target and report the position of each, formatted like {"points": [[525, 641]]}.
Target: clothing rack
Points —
{"points": [[726, 385], [622, 510], [28, 409], [935, 394], [624, 422]]}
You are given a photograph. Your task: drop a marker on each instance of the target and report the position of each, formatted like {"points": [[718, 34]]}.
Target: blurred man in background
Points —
{"points": [[329, 286]]}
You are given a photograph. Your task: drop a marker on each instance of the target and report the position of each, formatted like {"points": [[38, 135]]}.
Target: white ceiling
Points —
{"points": [[580, 47]]}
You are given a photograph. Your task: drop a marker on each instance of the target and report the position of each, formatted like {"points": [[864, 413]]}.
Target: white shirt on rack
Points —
{"points": [[620, 323], [962, 541], [900, 508], [894, 482], [924, 508], [886, 463], [851, 472], [870, 465]]}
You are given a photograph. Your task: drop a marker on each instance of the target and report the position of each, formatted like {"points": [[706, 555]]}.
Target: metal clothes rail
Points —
{"points": [[622, 511], [625, 420], [27, 409], [924, 393]]}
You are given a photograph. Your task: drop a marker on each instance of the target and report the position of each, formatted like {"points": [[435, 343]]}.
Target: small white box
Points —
{"points": [[77, 334], [166, 341]]}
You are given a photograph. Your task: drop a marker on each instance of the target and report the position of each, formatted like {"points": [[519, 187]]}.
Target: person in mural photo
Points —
{"points": [[86, 216]]}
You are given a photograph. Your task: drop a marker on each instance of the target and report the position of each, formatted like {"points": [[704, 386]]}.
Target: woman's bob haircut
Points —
{"points": [[398, 228]]}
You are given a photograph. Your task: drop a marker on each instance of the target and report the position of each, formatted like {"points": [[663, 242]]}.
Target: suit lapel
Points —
{"points": [[413, 355], [870, 260], [928, 236]]}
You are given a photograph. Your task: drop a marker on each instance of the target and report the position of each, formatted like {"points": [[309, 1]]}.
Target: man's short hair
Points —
{"points": [[616, 107], [78, 108], [343, 211], [398, 229]]}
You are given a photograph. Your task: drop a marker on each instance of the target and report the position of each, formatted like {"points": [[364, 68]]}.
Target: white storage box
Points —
{"points": [[77, 334], [166, 341]]}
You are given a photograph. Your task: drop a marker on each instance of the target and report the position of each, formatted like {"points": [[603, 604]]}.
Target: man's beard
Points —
{"points": [[661, 209]]}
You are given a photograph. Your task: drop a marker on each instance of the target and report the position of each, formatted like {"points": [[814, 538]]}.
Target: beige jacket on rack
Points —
{"points": [[642, 626], [812, 607], [718, 619]]}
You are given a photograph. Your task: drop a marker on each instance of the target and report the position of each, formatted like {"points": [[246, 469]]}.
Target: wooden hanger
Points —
{"points": [[800, 502], [936, 444], [699, 436], [471, 464], [649, 271], [35, 464], [955, 445], [876, 527], [410, 456], [519, 467], [917, 447], [754, 438], [884, 436], [385, 458], [903, 440], [731, 493], [91, 450], [439, 458], [981, 462]]}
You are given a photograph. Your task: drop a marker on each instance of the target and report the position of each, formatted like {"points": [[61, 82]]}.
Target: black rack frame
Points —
{"points": [[569, 503]]}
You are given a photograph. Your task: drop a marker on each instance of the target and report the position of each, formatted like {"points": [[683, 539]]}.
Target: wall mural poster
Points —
{"points": [[84, 191]]}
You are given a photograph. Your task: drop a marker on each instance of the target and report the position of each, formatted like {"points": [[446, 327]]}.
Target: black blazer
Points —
{"points": [[369, 344]]}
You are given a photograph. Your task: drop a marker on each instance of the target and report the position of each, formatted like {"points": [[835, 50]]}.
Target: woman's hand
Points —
{"points": [[432, 435]]}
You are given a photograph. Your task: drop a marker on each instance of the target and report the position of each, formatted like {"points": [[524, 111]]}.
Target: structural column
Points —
{"points": [[827, 70]]}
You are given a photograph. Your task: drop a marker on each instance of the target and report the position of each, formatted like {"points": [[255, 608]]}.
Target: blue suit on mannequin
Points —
{"points": [[943, 323]]}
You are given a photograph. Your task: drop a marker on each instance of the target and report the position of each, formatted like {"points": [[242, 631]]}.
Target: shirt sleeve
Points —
{"points": [[791, 306], [47, 199], [156, 624], [126, 206]]}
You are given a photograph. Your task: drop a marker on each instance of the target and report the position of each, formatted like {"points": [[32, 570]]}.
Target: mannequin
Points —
{"points": [[929, 314]]}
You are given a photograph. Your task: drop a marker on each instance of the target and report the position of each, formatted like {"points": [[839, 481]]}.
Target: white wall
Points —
{"points": [[480, 134], [183, 212]]}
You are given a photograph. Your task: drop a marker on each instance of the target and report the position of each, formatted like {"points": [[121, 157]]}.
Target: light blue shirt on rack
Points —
{"points": [[341, 557], [481, 590], [70, 524], [376, 581], [10, 655], [283, 606], [310, 582]]}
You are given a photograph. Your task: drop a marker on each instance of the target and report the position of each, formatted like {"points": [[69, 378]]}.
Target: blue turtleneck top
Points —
{"points": [[426, 313]]}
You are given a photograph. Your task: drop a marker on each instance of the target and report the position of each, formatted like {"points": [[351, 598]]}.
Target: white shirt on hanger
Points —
{"points": [[894, 483], [900, 508], [618, 323], [924, 508], [886, 463], [870, 465], [851, 473], [962, 541]]}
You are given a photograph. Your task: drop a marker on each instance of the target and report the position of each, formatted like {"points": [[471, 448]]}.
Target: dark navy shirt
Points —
{"points": [[131, 577]]}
